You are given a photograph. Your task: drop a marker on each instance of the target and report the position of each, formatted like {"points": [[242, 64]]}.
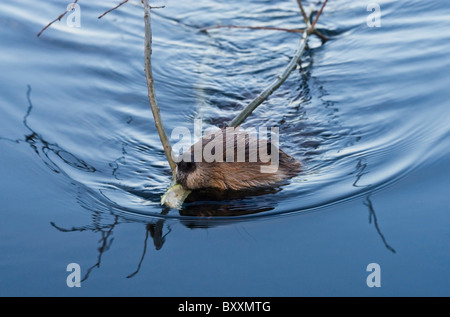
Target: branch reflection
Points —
{"points": [[360, 171], [105, 241], [199, 211], [44, 148], [373, 216], [155, 230]]}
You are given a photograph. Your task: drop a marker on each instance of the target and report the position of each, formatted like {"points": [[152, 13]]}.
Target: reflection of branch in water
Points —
{"points": [[80, 229], [105, 239], [360, 167], [155, 230], [35, 140], [142, 257], [122, 160], [43, 148], [372, 215], [105, 245]]}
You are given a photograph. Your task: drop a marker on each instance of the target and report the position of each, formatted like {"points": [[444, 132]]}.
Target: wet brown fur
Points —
{"points": [[233, 175]]}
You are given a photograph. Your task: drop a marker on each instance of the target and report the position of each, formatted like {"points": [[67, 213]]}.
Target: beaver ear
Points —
{"points": [[186, 167]]}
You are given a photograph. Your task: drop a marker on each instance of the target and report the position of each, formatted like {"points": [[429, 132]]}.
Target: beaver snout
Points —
{"points": [[241, 165], [183, 171]]}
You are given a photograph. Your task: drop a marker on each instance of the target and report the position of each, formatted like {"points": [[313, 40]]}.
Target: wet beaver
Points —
{"points": [[232, 159]]}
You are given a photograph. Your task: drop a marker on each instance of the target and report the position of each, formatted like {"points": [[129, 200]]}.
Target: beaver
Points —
{"points": [[232, 159]]}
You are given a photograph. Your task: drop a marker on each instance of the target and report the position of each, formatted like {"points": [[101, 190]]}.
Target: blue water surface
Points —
{"points": [[82, 168]]}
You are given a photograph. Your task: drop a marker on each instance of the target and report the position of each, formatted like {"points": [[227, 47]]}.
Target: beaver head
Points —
{"points": [[234, 160]]}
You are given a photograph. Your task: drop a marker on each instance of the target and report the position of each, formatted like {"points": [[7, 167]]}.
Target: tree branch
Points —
{"points": [[311, 28], [272, 87], [105, 13], [58, 18], [151, 89], [123, 2], [305, 18], [176, 194], [275, 84], [281, 78]]}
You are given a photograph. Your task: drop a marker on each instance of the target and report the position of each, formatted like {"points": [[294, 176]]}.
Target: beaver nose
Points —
{"points": [[187, 167]]}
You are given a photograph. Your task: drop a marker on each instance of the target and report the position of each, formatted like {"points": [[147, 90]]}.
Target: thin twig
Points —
{"points": [[151, 89], [369, 204], [219, 26], [58, 18], [281, 78], [147, 233], [305, 18], [275, 84], [317, 17], [319, 34], [123, 2]]}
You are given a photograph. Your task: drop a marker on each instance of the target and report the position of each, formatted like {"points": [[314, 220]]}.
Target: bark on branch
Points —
{"points": [[282, 77], [123, 2], [151, 89], [69, 8]]}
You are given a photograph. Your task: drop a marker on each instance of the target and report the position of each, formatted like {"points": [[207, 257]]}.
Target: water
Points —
{"points": [[83, 170]]}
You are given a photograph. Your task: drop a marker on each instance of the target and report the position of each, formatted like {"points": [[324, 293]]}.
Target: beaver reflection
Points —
{"points": [[224, 203]]}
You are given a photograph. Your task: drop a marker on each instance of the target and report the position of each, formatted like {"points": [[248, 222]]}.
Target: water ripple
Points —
{"points": [[360, 113]]}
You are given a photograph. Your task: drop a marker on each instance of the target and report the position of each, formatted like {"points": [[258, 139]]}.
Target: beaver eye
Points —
{"points": [[187, 166], [269, 148]]}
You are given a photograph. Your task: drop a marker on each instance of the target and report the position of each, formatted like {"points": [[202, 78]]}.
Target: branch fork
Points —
{"points": [[176, 194]]}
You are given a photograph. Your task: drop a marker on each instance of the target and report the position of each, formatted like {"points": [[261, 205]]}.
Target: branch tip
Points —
{"points": [[69, 8]]}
